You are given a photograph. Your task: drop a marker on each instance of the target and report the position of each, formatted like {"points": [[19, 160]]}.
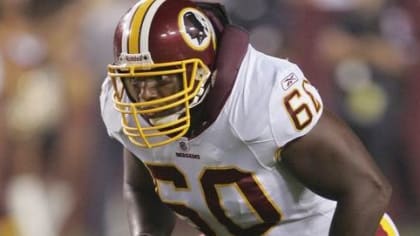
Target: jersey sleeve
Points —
{"points": [[110, 116], [295, 106]]}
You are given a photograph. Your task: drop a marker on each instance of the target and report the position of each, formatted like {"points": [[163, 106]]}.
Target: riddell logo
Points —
{"points": [[287, 82], [141, 58]]}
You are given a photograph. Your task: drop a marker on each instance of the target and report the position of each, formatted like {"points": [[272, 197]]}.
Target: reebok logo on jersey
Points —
{"points": [[287, 82]]}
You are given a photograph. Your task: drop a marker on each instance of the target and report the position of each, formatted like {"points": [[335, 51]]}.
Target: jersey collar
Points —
{"points": [[232, 49]]}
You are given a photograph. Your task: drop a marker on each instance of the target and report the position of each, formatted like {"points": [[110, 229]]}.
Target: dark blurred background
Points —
{"points": [[61, 175]]}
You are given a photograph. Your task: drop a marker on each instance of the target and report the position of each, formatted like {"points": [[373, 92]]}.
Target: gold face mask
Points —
{"points": [[162, 52], [155, 99]]}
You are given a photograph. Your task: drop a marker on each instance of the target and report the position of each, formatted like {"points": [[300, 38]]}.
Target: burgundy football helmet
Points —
{"points": [[156, 43]]}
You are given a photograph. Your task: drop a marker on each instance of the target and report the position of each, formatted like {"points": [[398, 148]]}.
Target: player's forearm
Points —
{"points": [[146, 215], [360, 214]]}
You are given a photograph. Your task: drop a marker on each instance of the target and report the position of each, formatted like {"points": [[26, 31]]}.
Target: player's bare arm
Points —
{"points": [[147, 214], [332, 162]]}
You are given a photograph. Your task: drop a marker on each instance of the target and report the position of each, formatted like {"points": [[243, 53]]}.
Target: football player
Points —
{"points": [[235, 141]]}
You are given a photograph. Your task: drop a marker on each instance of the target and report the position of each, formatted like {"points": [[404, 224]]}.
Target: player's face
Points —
{"points": [[152, 88]]}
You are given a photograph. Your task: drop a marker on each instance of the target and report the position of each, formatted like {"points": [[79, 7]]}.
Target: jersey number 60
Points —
{"points": [[210, 179]]}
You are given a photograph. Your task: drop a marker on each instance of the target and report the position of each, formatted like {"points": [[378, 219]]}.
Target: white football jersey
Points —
{"points": [[229, 180]]}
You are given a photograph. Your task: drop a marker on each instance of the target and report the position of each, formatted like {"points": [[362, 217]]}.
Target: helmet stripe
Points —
{"points": [[145, 29], [126, 27], [137, 19]]}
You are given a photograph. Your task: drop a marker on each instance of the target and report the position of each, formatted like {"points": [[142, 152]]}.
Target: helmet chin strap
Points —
{"points": [[205, 88], [200, 96], [172, 117], [166, 119], [202, 93]]}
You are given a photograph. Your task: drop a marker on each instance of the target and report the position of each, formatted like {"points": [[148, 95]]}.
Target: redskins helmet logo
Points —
{"points": [[195, 28]]}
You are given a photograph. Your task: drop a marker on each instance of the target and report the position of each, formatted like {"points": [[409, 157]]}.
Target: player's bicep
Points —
{"points": [[331, 160], [147, 214]]}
